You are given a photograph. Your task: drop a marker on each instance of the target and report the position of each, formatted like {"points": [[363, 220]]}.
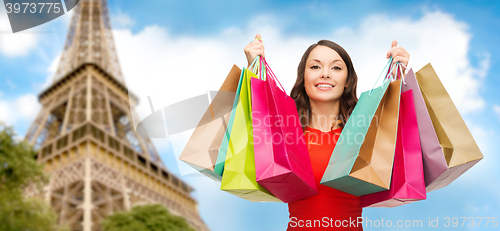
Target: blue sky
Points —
{"points": [[181, 42]]}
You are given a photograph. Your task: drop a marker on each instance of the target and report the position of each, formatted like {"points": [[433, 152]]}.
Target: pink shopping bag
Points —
{"points": [[433, 157], [407, 182], [282, 161]]}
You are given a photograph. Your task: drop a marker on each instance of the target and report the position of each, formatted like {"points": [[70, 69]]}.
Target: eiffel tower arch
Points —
{"points": [[85, 137]]}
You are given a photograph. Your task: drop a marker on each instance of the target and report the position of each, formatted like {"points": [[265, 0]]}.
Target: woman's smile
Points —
{"points": [[324, 86]]}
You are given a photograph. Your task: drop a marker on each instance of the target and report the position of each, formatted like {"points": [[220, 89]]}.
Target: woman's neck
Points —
{"points": [[324, 115]]}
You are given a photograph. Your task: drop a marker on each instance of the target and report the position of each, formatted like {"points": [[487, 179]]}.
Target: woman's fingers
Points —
{"points": [[257, 36], [398, 53], [393, 44], [254, 48], [394, 51], [401, 59], [254, 45]]}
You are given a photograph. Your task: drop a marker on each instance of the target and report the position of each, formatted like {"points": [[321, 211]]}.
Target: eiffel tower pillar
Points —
{"points": [[97, 162]]}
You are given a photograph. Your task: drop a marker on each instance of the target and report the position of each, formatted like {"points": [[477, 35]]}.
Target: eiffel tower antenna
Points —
{"points": [[85, 137]]}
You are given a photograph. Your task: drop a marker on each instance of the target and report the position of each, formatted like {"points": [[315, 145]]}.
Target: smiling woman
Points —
{"points": [[325, 63], [325, 96]]}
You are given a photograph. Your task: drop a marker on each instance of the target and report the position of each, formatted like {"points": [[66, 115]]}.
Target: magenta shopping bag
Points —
{"points": [[282, 162], [407, 181], [433, 157]]}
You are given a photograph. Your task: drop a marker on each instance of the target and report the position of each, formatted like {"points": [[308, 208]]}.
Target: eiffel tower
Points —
{"points": [[97, 162]]}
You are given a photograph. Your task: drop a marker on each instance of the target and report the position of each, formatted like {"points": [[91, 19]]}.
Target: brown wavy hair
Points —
{"points": [[348, 99]]}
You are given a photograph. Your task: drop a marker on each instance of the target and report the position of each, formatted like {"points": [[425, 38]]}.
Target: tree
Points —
{"points": [[153, 217], [18, 170]]}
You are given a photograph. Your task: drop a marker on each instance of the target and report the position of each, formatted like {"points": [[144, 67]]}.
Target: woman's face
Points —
{"points": [[325, 75]]}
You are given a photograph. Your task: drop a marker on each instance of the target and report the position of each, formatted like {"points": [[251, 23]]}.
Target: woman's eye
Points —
{"points": [[337, 68], [315, 67]]}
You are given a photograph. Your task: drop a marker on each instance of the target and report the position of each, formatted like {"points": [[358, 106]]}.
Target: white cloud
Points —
{"points": [[436, 38], [178, 68], [22, 109], [51, 70], [49, 74], [485, 140], [5, 112], [15, 44], [27, 107], [121, 20]]}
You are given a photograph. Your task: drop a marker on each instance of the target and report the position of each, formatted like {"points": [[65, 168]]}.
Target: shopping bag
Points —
{"points": [[239, 169], [362, 160], [202, 148], [221, 157], [432, 153], [407, 183], [459, 148], [282, 160]]}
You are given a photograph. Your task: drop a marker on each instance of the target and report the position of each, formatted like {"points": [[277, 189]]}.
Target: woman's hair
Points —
{"points": [[348, 99]]}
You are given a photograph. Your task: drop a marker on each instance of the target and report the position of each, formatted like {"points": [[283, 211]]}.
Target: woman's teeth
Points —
{"points": [[324, 85]]}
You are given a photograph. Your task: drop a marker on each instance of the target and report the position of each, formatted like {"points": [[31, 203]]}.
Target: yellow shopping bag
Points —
{"points": [[239, 169]]}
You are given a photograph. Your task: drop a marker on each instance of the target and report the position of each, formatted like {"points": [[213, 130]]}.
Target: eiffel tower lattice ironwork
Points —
{"points": [[97, 163]]}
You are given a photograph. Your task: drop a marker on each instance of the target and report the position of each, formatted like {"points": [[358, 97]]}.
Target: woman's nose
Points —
{"points": [[326, 74]]}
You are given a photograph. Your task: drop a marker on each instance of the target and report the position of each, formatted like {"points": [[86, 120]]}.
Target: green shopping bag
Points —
{"points": [[362, 160], [238, 177]]}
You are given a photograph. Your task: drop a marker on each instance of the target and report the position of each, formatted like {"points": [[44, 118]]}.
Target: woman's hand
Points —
{"points": [[253, 49], [399, 54]]}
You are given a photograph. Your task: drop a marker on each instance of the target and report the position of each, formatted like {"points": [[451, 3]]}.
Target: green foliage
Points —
{"points": [[18, 169], [152, 217], [29, 214]]}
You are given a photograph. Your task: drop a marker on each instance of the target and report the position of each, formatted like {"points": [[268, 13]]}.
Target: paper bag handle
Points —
{"points": [[272, 75], [383, 71]]}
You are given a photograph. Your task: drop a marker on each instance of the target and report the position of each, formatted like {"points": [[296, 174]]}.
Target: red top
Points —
{"points": [[331, 207]]}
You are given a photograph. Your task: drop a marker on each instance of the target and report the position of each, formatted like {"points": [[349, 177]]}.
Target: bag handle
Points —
{"points": [[258, 68], [272, 75], [383, 71], [401, 71], [263, 70], [254, 64]]}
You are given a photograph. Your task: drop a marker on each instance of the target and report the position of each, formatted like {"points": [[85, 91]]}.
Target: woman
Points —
{"points": [[325, 96]]}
